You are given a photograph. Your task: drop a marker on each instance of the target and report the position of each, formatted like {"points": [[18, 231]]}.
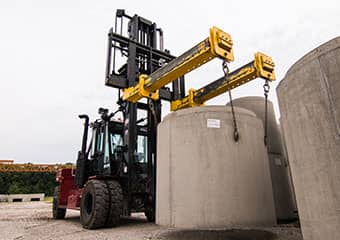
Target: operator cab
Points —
{"points": [[104, 156], [102, 152]]}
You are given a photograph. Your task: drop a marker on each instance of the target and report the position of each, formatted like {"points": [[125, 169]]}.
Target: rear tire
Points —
{"points": [[116, 203], [58, 213], [150, 213], [94, 204]]}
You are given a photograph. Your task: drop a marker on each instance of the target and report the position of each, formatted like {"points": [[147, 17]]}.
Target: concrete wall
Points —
{"points": [[206, 179], [309, 100], [22, 197], [279, 169], [3, 198]]}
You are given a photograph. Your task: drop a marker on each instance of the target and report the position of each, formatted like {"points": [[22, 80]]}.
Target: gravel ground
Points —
{"points": [[32, 221]]}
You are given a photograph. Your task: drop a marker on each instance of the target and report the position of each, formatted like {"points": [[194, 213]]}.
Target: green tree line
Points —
{"points": [[27, 182]]}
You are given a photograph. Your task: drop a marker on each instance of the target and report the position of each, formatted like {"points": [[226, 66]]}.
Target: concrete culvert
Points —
{"points": [[205, 178], [279, 169], [309, 100]]}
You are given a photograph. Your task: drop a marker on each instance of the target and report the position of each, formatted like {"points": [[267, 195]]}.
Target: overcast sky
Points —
{"points": [[52, 58]]}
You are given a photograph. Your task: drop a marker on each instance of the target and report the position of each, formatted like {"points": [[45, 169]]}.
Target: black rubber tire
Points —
{"points": [[150, 213], [58, 213], [116, 203], [94, 204]]}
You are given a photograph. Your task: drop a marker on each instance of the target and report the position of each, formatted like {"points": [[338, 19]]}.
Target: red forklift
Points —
{"points": [[115, 172]]}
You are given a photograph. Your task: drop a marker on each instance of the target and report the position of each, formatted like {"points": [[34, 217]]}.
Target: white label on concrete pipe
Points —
{"points": [[213, 123]]}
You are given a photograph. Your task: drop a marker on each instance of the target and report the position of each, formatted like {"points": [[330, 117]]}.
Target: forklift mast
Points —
{"points": [[144, 53]]}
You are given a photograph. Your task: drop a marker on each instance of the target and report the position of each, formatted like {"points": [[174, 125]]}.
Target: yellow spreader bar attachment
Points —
{"points": [[262, 66], [218, 44]]}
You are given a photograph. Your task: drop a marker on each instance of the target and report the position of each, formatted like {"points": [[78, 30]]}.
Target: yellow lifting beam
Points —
{"points": [[218, 44], [262, 66]]}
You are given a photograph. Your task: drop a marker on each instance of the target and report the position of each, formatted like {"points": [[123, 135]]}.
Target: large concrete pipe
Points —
{"points": [[205, 178], [279, 168], [309, 100]]}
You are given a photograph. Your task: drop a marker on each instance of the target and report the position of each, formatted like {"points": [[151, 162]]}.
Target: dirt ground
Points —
{"points": [[32, 221]]}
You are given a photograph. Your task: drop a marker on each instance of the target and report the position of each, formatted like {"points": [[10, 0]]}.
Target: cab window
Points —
{"points": [[115, 140], [142, 149], [93, 144], [97, 141]]}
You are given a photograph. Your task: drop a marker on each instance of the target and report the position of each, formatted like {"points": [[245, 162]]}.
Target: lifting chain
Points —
{"points": [[266, 89], [226, 73]]}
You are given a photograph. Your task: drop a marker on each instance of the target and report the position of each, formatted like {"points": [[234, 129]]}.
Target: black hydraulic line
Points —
{"points": [[182, 86], [175, 89]]}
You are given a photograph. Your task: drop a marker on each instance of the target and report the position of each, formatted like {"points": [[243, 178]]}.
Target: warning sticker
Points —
{"points": [[213, 123]]}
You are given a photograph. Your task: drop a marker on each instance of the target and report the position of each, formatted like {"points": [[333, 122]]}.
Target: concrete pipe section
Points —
{"points": [[207, 180], [279, 169], [309, 99]]}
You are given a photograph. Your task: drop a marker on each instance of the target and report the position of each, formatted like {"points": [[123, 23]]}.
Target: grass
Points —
{"points": [[48, 199]]}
